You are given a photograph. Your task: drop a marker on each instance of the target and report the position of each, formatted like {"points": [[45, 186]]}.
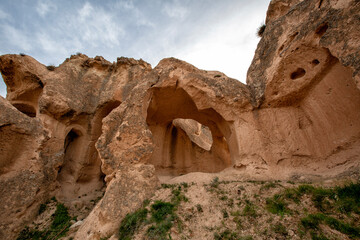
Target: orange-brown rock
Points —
{"points": [[65, 107], [129, 188], [304, 81], [90, 124], [22, 175]]}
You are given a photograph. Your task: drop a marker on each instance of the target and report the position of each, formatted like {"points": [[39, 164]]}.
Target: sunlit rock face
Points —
{"points": [[89, 125]]}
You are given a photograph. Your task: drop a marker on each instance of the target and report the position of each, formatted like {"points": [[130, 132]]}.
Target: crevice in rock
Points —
{"points": [[320, 3], [25, 108], [321, 30]]}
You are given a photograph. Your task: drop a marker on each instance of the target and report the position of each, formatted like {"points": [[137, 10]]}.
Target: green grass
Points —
{"points": [[59, 226], [161, 210], [164, 185], [42, 208], [318, 236], [277, 205], [345, 199], [225, 213], [335, 208], [229, 235], [61, 217], [199, 208], [131, 223], [268, 185], [348, 198], [178, 196], [249, 210], [163, 216], [215, 182], [313, 221], [279, 229], [160, 231]]}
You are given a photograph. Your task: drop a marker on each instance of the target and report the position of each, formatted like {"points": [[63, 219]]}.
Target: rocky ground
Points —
{"points": [[213, 208]]}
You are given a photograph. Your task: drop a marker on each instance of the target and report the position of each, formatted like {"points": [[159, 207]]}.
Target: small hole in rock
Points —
{"points": [[315, 62], [300, 72], [322, 29]]}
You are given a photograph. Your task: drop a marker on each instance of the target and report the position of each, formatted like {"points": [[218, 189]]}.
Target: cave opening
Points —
{"points": [[186, 139], [77, 176], [80, 174]]}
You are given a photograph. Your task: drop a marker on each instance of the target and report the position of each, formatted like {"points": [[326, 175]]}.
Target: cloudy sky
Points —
{"points": [[210, 34]]}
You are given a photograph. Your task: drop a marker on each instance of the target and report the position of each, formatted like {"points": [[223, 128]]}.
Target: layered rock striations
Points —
{"points": [[89, 125]]}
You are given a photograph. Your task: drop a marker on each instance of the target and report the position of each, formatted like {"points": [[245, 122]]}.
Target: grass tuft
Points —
{"points": [[50, 67], [261, 30], [280, 229], [59, 226], [277, 205], [215, 182], [131, 223]]}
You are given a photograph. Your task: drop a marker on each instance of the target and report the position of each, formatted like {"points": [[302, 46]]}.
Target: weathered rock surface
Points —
{"points": [[125, 193], [22, 176], [91, 124], [65, 107], [304, 81]]}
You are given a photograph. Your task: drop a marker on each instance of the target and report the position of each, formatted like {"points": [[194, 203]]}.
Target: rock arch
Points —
{"points": [[174, 152]]}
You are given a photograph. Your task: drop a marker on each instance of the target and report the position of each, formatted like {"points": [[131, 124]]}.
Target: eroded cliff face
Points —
{"points": [[304, 81], [89, 125]]}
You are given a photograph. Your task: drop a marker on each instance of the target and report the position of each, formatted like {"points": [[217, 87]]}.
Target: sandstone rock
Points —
{"points": [[299, 78], [22, 180], [130, 186], [68, 103], [90, 123], [140, 130]]}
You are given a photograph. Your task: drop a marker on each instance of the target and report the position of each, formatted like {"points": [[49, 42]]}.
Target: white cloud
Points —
{"points": [[4, 15], [85, 11], [136, 16], [175, 10], [50, 45], [218, 36], [96, 26], [229, 47], [16, 37], [43, 7], [125, 4]]}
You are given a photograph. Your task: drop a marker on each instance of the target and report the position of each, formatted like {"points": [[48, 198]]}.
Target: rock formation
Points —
{"points": [[87, 124]]}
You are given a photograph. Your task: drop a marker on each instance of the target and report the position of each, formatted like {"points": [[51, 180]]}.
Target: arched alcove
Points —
{"points": [[80, 173], [76, 176], [175, 152]]}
